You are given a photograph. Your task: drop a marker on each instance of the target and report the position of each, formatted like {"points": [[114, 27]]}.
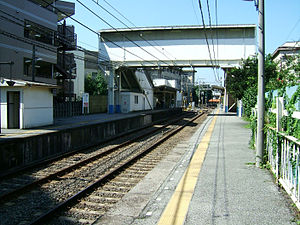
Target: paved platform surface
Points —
{"points": [[68, 122], [229, 189]]}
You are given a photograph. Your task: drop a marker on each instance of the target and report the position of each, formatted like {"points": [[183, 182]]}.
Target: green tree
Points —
{"points": [[95, 85], [288, 73], [242, 81]]}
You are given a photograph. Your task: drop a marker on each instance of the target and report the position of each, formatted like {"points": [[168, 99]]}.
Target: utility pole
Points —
{"points": [[260, 6], [261, 85]]}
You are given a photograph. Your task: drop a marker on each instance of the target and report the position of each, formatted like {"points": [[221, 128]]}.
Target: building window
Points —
{"points": [[27, 66], [136, 99], [42, 68], [38, 33]]}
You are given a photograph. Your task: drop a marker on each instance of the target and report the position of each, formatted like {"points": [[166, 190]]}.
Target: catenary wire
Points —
{"points": [[196, 15], [206, 39], [47, 47], [212, 39], [50, 48], [217, 33], [140, 36], [90, 29], [116, 11], [97, 2], [31, 42], [133, 42]]}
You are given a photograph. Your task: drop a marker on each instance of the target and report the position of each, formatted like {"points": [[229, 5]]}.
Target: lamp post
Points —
{"points": [[261, 83]]}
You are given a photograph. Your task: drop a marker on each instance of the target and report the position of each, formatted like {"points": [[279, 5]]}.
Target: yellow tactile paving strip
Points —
{"points": [[177, 208]]}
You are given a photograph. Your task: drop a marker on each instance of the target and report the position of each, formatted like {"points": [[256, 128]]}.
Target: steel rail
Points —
{"points": [[75, 198], [53, 159], [16, 192]]}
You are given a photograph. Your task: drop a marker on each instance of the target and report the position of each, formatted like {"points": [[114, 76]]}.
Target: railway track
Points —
{"points": [[83, 185], [17, 182]]}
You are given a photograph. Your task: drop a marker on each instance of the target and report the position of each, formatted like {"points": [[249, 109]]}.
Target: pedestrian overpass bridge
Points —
{"points": [[222, 46], [179, 46]]}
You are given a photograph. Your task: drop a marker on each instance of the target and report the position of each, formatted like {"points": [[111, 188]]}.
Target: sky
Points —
{"points": [[282, 19]]}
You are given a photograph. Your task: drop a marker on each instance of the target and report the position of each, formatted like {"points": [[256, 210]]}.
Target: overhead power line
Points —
{"points": [[212, 38], [47, 47], [31, 42], [217, 33], [196, 15], [95, 14], [293, 28], [116, 11], [90, 29], [40, 44], [141, 37], [206, 39]]}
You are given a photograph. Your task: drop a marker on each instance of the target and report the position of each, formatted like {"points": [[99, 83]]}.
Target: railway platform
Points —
{"points": [[209, 179], [69, 122], [23, 148]]}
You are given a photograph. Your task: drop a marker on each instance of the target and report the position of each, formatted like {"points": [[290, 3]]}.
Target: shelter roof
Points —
{"points": [[23, 83]]}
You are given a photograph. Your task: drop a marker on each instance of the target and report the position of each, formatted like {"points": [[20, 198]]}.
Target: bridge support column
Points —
{"points": [[111, 103], [118, 95], [225, 100]]}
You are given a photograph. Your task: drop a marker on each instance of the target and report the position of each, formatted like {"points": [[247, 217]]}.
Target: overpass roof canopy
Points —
{"points": [[181, 46]]}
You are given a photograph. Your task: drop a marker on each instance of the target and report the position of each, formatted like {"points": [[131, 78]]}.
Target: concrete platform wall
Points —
{"points": [[16, 153]]}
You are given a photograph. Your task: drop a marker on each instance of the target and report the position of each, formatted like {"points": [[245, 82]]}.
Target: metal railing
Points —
{"points": [[283, 156]]}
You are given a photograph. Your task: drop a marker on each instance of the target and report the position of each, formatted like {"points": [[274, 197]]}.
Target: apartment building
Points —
{"points": [[34, 60], [86, 63]]}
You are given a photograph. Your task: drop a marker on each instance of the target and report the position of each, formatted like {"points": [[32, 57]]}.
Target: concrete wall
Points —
{"points": [[98, 103], [38, 107], [16, 153]]}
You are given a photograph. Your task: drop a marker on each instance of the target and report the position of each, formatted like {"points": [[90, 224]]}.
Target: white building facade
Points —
{"points": [[26, 104]]}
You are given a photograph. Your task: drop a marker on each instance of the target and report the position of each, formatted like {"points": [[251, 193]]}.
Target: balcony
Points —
{"points": [[61, 8], [65, 38]]}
